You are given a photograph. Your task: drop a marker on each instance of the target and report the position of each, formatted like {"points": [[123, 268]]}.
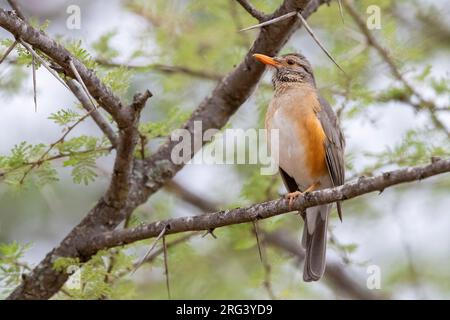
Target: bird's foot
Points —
{"points": [[292, 196]]}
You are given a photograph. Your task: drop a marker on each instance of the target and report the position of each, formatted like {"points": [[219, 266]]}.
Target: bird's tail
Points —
{"points": [[314, 241]]}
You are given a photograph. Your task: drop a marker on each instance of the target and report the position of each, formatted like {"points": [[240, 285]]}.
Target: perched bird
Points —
{"points": [[311, 148]]}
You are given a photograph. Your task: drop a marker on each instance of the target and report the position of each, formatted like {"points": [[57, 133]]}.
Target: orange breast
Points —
{"points": [[294, 112], [313, 138]]}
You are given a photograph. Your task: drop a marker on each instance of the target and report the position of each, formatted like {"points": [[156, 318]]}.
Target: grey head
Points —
{"points": [[289, 68]]}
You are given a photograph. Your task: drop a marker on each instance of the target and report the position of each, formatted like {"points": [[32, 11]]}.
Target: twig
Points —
{"points": [[42, 61], [305, 24], [50, 148], [52, 158], [166, 267], [255, 230], [171, 244], [101, 122], [341, 12], [81, 82], [33, 68], [311, 33], [266, 266], [155, 242], [271, 21], [8, 51], [255, 13], [60, 56]]}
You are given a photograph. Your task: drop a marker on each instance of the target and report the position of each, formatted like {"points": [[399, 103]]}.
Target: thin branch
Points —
{"points": [[154, 255], [134, 181], [155, 242], [255, 13], [170, 244], [61, 57], [81, 82], [311, 33], [52, 158], [267, 209], [8, 51], [305, 24], [271, 21], [33, 68], [166, 267], [51, 146], [265, 264], [341, 12], [425, 104], [101, 122], [42, 61]]}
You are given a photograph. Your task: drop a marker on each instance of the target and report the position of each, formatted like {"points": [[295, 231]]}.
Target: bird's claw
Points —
{"points": [[292, 196]]}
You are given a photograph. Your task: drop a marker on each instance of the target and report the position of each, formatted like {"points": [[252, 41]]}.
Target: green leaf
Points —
{"points": [[64, 117], [75, 47]]}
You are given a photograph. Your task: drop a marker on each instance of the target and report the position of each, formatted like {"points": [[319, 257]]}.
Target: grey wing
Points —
{"points": [[288, 181], [334, 145]]}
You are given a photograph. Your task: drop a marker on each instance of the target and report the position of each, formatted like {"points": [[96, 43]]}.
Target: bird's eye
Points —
{"points": [[290, 62]]}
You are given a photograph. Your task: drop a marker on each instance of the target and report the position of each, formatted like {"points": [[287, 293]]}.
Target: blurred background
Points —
{"points": [[178, 49]]}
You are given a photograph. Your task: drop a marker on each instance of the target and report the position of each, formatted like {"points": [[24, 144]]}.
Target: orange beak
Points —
{"points": [[266, 59]]}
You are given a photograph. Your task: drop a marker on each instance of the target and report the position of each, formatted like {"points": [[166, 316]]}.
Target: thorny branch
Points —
{"points": [[101, 122], [335, 274], [62, 57], [298, 15], [133, 180], [267, 209]]}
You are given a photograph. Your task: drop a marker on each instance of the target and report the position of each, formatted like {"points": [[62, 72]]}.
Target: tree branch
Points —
{"points": [[255, 13], [148, 176], [425, 104], [95, 114], [335, 274], [230, 93], [62, 57], [124, 194], [118, 191], [267, 209]]}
